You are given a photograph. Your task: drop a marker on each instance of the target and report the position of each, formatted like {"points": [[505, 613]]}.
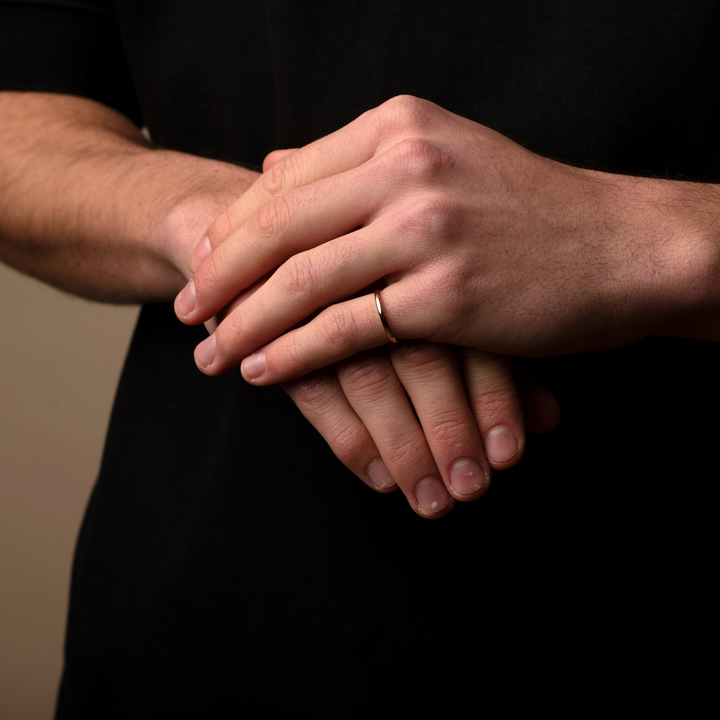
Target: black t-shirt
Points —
{"points": [[228, 562]]}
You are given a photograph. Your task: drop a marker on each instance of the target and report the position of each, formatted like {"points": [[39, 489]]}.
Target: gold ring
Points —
{"points": [[383, 319]]}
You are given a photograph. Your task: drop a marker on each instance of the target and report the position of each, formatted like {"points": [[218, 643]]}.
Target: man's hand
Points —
{"points": [[482, 243], [89, 206], [422, 418], [465, 417]]}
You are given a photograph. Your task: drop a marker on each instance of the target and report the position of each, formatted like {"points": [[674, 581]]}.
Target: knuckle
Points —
{"points": [[211, 275], [286, 357], [488, 369], [316, 396], [270, 158], [365, 378], [338, 326], [408, 452], [493, 399], [279, 177], [450, 294], [444, 287], [350, 443], [273, 216], [312, 392], [420, 356], [223, 226], [298, 275], [427, 215], [407, 112], [448, 430], [291, 355], [419, 159]]}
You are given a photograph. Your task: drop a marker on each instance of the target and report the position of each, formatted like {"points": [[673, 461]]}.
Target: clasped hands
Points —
{"points": [[482, 245]]}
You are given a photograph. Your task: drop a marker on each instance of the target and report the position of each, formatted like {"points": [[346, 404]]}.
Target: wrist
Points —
{"points": [[657, 263], [89, 207], [683, 240], [210, 188]]}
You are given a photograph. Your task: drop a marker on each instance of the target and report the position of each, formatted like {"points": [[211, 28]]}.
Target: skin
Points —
{"points": [[89, 206], [483, 244]]}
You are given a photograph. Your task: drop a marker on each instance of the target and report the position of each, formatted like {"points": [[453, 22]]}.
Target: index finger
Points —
{"points": [[347, 148], [280, 175]]}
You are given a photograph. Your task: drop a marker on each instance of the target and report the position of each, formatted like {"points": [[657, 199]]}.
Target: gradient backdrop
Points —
{"points": [[60, 359]]}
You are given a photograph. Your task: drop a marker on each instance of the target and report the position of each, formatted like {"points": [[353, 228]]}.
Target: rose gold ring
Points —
{"points": [[383, 319]]}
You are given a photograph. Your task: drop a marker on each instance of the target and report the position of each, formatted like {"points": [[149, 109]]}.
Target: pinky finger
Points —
{"points": [[321, 399]]}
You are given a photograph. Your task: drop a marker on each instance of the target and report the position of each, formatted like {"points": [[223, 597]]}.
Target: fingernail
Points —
{"points": [[466, 477], [501, 444], [379, 475], [185, 301], [205, 351], [201, 251], [432, 496], [253, 366]]}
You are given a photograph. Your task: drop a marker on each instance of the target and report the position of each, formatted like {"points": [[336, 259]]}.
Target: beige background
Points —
{"points": [[60, 359]]}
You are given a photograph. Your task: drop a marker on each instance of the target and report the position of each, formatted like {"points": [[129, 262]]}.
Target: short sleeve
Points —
{"points": [[66, 46]]}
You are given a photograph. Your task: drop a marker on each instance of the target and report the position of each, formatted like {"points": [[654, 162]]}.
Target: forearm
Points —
{"points": [[88, 206]]}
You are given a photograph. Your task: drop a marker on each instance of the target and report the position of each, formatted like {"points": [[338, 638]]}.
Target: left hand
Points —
{"points": [[483, 244]]}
